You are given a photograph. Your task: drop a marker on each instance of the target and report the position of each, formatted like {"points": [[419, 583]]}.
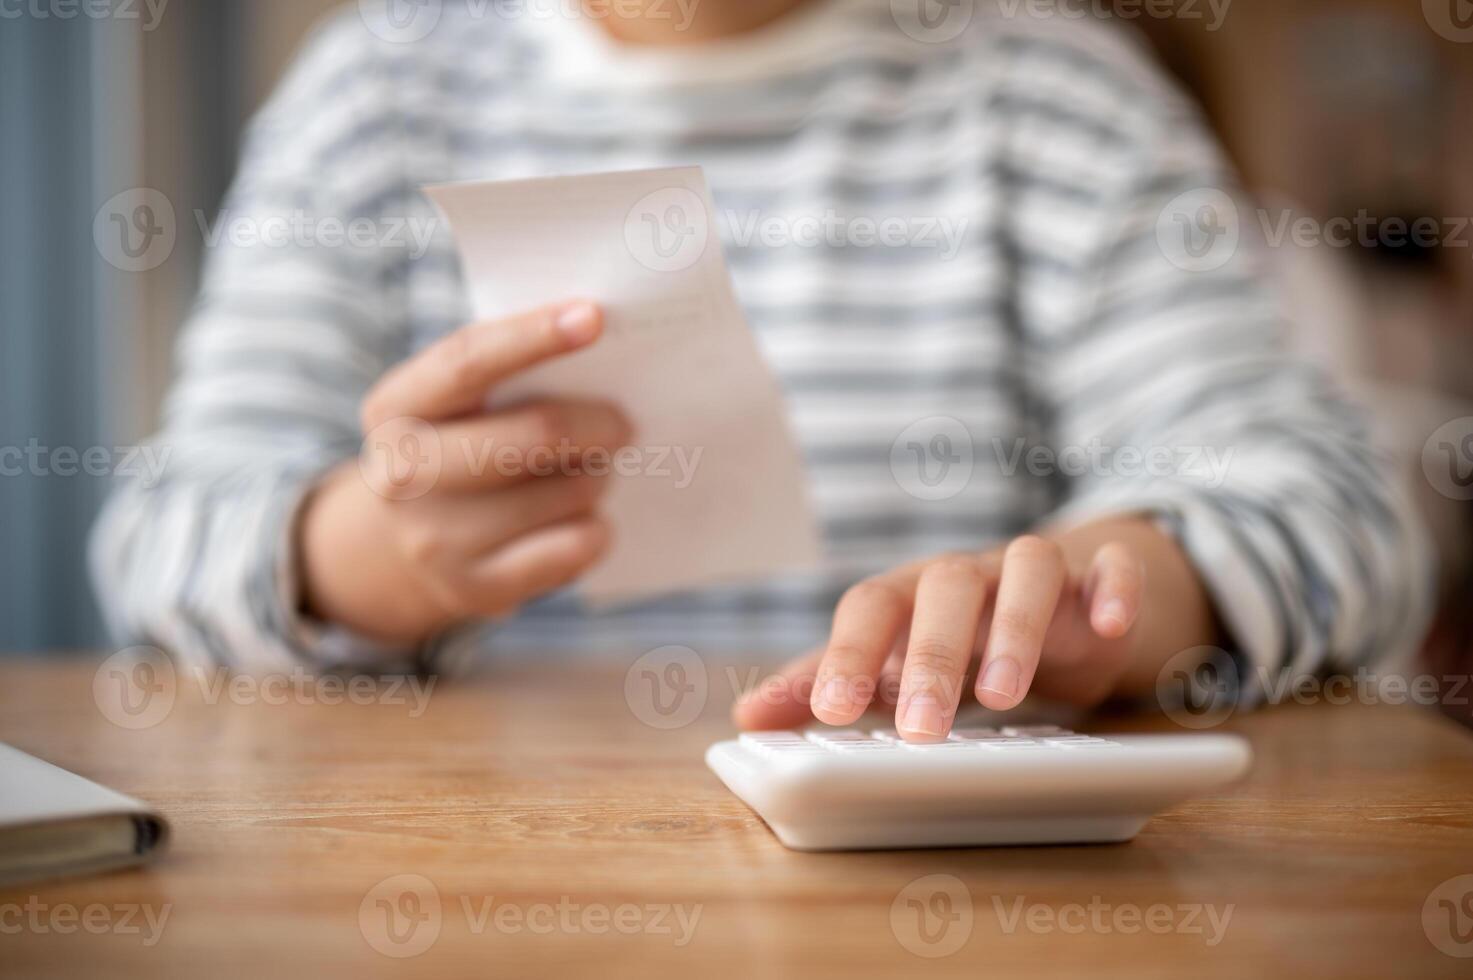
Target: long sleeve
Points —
{"points": [[1168, 391], [292, 324]]}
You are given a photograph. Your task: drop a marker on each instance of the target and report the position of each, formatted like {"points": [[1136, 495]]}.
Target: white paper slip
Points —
{"points": [[714, 490]]}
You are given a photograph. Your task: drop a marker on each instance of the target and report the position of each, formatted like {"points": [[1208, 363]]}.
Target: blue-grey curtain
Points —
{"points": [[50, 372], [71, 94]]}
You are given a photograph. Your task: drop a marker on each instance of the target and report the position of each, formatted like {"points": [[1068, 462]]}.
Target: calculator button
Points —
{"points": [[975, 734], [760, 738], [1030, 730]]}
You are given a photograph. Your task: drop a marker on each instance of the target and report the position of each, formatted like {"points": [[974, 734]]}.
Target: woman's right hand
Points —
{"points": [[453, 511]]}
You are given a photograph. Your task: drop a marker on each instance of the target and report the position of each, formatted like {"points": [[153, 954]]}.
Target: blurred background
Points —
{"points": [[1356, 109]]}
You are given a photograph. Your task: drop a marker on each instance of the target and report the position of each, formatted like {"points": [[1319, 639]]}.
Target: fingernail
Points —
{"points": [[1113, 611], [924, 717], [832, 697], [1001, 678], [578, 322]]}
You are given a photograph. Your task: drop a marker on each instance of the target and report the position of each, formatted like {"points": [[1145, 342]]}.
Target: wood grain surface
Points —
{"points": [[526, 822]]}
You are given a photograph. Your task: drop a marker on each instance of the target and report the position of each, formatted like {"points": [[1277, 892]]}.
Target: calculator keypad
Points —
{"points": [[1022, 739]]}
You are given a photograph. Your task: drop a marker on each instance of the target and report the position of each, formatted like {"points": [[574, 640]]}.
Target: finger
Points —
{"points": [[866, 622], [1033, 575], [1117, 582], [453, 375], [943, 634], [526, 507], [889, 687], [781, 700], [539, 439], [533, 565]]}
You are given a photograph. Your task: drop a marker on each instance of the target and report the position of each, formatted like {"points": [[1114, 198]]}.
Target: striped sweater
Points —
{"points": [[954, 247]]}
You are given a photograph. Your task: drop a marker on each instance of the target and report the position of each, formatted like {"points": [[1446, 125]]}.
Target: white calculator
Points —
{"points": [[1037, 784]]}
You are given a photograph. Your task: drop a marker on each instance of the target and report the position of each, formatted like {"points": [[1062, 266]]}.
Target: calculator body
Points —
{"points": [[855, 790]]}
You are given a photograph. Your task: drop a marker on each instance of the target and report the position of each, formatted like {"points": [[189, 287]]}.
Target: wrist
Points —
{"points": [[346, 575]]}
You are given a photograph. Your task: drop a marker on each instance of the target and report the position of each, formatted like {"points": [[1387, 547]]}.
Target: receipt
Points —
{"points": [[713, 488]]}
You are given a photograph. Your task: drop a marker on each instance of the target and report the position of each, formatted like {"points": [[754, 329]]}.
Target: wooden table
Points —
{"points": [[561, 835]]}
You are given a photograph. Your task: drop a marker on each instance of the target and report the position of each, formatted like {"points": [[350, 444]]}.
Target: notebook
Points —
{"points": [[54, 823]]}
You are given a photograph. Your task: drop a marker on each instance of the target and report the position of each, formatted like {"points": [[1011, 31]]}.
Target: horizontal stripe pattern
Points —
{"points": [[1031, 306]]}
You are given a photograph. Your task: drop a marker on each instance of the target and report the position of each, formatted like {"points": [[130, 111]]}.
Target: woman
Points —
{"points": [[1095, 309]]}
